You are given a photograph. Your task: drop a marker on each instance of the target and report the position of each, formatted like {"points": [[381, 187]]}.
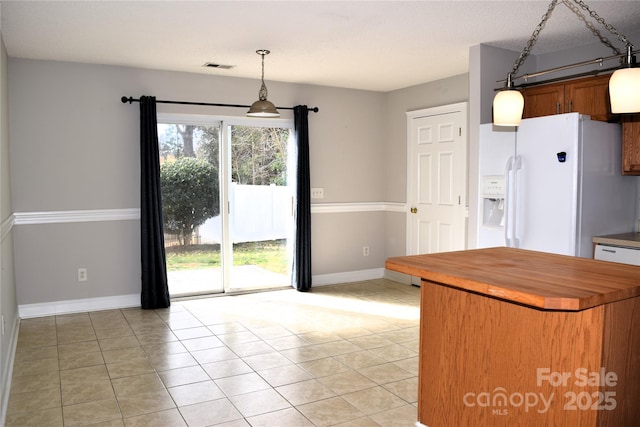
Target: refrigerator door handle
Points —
{"points": [[517, 166], [507, 201]]}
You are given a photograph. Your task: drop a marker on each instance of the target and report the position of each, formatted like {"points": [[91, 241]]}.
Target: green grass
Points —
{"points": [[270, 255]]}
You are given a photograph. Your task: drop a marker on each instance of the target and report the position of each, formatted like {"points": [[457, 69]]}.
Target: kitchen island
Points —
{"points": [[511, 337]]}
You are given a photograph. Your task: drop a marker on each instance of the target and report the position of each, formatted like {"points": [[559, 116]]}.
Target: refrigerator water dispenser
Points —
{"points": [[493, 191]]}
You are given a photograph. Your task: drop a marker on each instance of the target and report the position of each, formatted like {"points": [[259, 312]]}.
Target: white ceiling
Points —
{"points": [[373, 45]]}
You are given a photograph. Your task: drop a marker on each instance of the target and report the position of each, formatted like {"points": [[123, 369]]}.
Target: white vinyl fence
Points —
{"points": [[258, 212]]}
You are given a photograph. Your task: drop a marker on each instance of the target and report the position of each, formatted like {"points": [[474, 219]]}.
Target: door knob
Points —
{"points": [[414, 210]]}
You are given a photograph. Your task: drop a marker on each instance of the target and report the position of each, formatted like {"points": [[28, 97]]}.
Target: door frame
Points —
{"points": [[225, 173], [462, 107]]}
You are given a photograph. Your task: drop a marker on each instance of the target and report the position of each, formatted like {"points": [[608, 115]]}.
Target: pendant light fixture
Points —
{"points": [[508, 105], [262, 107], [624, 85]]}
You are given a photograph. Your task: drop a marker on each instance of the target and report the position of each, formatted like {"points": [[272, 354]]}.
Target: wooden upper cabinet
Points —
{"points": [[588, 96], [631, 144], [543, 100]]}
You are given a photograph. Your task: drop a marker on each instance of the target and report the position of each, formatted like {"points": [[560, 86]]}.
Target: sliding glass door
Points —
{"points": [[227, 203], [190, 179], [261, 202]]}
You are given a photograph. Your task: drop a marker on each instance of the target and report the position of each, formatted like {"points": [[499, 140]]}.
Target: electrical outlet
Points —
{"points": [[365, 251], [82, 275], [317, 193]]}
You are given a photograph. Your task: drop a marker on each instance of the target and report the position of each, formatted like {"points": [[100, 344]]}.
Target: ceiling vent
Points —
{"points": [[220, 66]]}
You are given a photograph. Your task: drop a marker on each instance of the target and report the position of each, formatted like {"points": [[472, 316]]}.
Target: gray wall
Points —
{"points": [[74, 146], [432, 94], [8, 305]]}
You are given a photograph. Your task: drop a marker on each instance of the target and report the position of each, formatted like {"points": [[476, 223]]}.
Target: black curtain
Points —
{"points": [[302, 255], [155, 289]]}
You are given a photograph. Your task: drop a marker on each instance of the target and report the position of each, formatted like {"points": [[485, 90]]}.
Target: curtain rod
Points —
{"points": [[131, 100]]}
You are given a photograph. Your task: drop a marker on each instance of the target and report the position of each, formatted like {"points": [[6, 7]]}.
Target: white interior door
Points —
{"points": [[437, 171]]}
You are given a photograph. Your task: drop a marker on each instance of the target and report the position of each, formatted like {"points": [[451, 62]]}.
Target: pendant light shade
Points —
{"points": [[508, 105], [262, 107], [624, 87]]}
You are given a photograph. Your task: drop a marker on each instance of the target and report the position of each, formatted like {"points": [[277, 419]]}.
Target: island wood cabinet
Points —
{"points": [[510, 337], [588, 96]]}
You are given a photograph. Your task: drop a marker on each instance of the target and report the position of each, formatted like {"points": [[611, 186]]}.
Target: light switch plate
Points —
{"points": [[317, 193]]}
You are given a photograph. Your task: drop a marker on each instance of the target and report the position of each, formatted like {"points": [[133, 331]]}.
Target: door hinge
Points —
{"points": [[459, 197], [459, 131]]}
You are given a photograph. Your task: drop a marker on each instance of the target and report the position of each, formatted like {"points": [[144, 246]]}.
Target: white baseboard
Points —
{"points": [[347, 276], [360, 275], [397, 277], [7, 371], [26, 311], [78, 305]]}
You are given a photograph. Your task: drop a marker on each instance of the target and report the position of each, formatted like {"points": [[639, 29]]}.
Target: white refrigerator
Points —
{"points": [[552, 184]]}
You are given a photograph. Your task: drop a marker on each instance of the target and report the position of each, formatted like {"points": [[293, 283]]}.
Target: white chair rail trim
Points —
{"points": [[56, 217], [128, 214]]}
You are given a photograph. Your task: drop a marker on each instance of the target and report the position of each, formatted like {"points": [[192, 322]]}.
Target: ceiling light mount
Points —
{"points": [[262, 107], [624, 86]]}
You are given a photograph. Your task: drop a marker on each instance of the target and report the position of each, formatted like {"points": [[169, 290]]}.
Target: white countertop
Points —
{"points": [[631, 240]]}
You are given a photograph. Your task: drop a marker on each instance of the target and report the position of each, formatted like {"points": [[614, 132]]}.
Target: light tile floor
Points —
{"points": [[339, 355]]}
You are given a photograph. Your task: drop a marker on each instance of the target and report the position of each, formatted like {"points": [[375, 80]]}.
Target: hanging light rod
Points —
{"points": [[131, 100], [562, 78], [624, 84], [598, 61]]}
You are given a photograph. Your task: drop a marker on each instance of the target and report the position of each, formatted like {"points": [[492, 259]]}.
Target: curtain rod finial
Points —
{"points": [[124, 100]]}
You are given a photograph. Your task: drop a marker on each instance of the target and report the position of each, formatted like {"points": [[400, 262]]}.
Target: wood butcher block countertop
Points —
{"points": [[537, 279]]}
